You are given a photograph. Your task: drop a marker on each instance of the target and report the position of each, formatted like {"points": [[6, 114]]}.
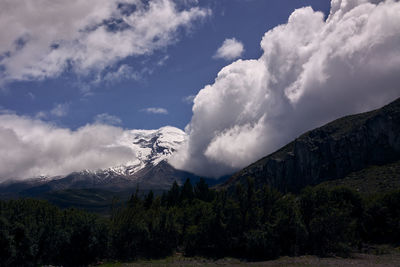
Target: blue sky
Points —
{"points": [[187, 66]]}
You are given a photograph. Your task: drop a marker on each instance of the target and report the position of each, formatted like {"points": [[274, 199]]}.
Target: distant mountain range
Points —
{"points": [[340, 149], [362, 151], [149, 170]]}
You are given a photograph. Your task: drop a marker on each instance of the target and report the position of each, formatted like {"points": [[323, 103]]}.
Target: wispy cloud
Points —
{"points": [[124, 72], [105, 118], [41, 115], [4, 111], [162, 61], [155, 110], [31, 95], [188, 99], [60, 110]]}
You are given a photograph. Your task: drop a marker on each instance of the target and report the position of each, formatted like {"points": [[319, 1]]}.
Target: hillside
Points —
{"points": [[333, 151], [371, 180]]}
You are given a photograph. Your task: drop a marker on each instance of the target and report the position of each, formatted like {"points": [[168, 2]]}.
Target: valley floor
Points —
{"points": [[389, 258]]}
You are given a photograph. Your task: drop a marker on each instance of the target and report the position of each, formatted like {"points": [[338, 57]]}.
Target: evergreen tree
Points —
{"points": [[173, 195], [202, 192], [135, 200], [149, 199], [187, 191]]}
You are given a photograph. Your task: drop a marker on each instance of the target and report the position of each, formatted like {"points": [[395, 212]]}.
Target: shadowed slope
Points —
{"points": [[330, 152]]}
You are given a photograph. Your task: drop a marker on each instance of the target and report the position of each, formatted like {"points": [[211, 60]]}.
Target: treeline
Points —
{"points": [[248, 223]]}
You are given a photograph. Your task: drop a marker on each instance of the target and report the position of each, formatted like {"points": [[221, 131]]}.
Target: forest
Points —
{"points": [[198, 221]]}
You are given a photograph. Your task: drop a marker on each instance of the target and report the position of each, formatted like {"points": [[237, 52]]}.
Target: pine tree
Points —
{"points": [[187, 191]]}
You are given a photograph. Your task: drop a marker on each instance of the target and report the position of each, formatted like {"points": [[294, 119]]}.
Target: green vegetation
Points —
{"points": [[93, 200], [371, 180], [33, 232], [199, 222]]}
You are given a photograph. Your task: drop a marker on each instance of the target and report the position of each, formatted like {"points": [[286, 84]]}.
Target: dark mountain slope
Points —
{"points": [[87, 185], [371, 180], [330, 152]]}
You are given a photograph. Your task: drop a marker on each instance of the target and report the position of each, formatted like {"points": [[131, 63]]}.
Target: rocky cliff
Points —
{"points": [[331, 151]]}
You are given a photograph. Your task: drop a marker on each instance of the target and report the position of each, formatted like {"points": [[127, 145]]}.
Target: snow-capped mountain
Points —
{"points": [[149, 168], [150, 146]]}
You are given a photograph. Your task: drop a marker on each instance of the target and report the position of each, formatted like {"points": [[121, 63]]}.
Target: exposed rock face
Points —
{"points": [[331, 151]]}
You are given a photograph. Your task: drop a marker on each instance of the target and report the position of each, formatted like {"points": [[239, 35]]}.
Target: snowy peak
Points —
{"points": [[150, 147], [153, 146]]}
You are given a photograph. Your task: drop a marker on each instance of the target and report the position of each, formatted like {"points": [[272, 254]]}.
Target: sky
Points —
{"points": [[241, 77], [161, 78]]}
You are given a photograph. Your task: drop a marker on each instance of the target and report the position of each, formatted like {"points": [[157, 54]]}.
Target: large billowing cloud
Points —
{"points": [[312, 71], [29, 148], [43, 38]]}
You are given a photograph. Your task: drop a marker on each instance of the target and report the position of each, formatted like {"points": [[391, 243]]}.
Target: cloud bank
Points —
{"points": [[312, 71], [30, 148], [230, 49], [41, 39]]}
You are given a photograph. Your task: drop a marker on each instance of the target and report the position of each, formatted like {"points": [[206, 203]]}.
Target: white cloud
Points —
{"points": [[60, 110], [124, 72], [155, 110], [5, 111], [311, 72], [230, 49], [189, 99], [105, 118], [43, 38], [41, 115], [29, 148], [162, 61]]}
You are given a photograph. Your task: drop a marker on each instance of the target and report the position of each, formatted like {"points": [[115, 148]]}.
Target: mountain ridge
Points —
{"points": [[329, 152]]}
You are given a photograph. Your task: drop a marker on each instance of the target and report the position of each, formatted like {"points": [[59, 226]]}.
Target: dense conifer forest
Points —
{"points": [[248, 223]]}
